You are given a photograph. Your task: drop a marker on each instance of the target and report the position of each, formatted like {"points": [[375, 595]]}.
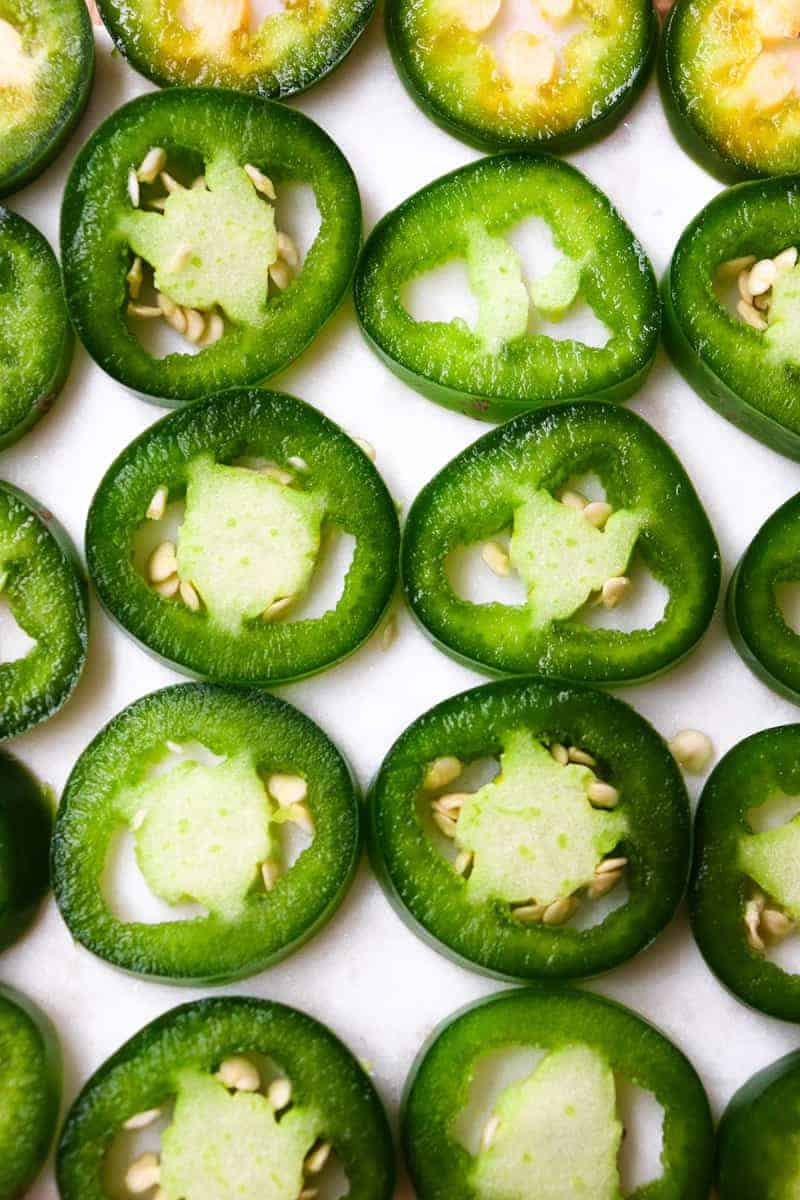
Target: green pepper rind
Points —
{"points": [[428, 894], [30, 1091], [754, 1157], [262, 653], [208, 950], [757, 627], [300, 72], [444, 363], [95, 256], [463, 504], [756, 767], [38, 299], [52, 669], [73, 50], [26, 822], [719, 355], [550, 1017], [142, 1075], [486, 136]]}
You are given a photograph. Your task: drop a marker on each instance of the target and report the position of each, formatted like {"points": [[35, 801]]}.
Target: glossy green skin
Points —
{"points": [[64, 28], [26, 822], [475, 495], [36, 339], [206, 949], [273, 425], [723, 359], [30, 1092], [448, 364], [755, 622], [190, 123], [48, 598], [143, 1074], [430, 896], [299, 69], [443, 105], [549, 1018], [759, 1135], [760, 766]]}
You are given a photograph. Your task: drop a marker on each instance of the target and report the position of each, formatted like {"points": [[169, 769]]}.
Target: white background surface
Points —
{"points": [[366, 975]]}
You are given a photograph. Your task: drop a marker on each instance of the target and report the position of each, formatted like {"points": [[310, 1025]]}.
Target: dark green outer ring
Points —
{"points": [[205, 950], [142, 1075], [754, 1159], [755, 622], [26, 822], [227, 426], [428, 895], [760, 765], [95, 255], [590, 129], [550, 1017]]}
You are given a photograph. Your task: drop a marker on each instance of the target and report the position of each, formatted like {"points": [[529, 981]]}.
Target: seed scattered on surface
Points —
{"points": [[389, 633], [601, 885], [261, 182], [287, 789], [579, 756], [180, 258], [159, 203], [614, 590], [496, 558], [444, 824], [318, 1157], [215, 328], [527, 61], [152, 165], [300, 815], [574, 500], [442, 771], [278, 474], [560, 910], [490, 1132], [366, 448], [762, 276], [743, 283], [141, 1120], [299, 464], [239, 1074], [528, 914], [172, 313], [280, 275], [733, 268], [270, 873], [163, 562], [287, 250], [279, 1094], [751, 316], [195, 325], [170, 183], [559, 753], [786, 260], [752, 921], [463, 862], [602, 795], [143, 1173], [452, 803], [134, 278], [145, 312], [189, 596], [158, 505], [775, 924], [276, 608], [692, 749], [597, 513], [168, 588], [134, 193], [610, 864], [762, 303]]}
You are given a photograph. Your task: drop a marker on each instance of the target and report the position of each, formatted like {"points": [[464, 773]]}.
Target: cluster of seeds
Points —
{"points": [[446, 810], [238, 1074], [596, 512], [528, 60], [755, 280], [290, 792], [202, 329], [692, 750], [765, 923], [162, 565]]}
